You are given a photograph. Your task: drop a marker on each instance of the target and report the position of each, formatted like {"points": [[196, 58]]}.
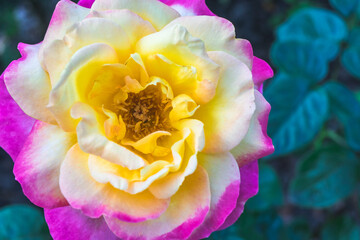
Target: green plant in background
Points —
{"points": [[315, 122], [22, 222]]}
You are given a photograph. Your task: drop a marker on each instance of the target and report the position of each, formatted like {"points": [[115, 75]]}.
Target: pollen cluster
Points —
{"points": [[145, 112]]}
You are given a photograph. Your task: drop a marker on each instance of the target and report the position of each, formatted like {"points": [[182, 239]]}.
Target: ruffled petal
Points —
{"points": [[78, 77], [95, 199], [185, 158], [227, 117], [66, 223], [256, 144], [29, 84], [176, 44], [134, 26], [261, 71], [120, 178], [189, 7], [15, 125], [249, 187], [92, 140], [99, 30], [184, 214], [37, 167], [65, 15], [147, 9], [224, 176], [218, 34]]}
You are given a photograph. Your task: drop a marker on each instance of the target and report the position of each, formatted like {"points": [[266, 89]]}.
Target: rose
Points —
{"points": [[148, 125]]}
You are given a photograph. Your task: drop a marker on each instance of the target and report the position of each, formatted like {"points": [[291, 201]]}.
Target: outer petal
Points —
{"points": [[249, 187], [15, 125], [224, 178], [256, 144], [261, 71], [227, 117], [189, 7], [37, 167], [67, 223], [76, 79], [86, 3], [96, 199], [65, 15], [185, 213], [29, 84], [151, 10], [218, 34], [134, 26]]}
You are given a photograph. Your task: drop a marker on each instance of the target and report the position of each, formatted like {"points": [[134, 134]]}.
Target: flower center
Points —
{"points": [[145, 112]]}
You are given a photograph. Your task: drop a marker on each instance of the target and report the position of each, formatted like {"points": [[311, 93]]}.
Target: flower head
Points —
{"points": [[148, 124]]}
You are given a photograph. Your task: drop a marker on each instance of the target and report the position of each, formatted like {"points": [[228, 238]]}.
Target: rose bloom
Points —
{"points": [[136, 119]]}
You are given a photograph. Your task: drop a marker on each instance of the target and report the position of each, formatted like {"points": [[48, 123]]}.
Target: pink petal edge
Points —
{"points": [[189, 7], [261, 71], [15, 125], [66, 223], [86, 3], [249, 187]]}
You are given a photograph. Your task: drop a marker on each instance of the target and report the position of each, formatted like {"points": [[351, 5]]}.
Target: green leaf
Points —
{"points": [[300, 59], [351, 60], [22, 222], [320, 27], [354, 37], [346, 7], [340, 228], [313, 23], [324, 178], [284, 93], [270, 193], [299, 229], [347, 108], [302, 124]]}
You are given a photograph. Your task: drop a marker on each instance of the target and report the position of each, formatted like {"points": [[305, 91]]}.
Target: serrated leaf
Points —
{"points": [[22, 222], [302, 124], [270, 193], [300, 59], [351, 60], [324, 178], [347, 108], [346, 7], [341, 228]]}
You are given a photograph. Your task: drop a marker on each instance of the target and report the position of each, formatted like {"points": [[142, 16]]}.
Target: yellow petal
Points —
{"points": [[177, 45], [147, 144], [183, 107], [76, 81], [115, 127]]}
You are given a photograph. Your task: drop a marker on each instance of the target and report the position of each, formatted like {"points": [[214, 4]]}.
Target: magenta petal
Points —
{"points": [[67, 223], [37, 167], [261, 71], [86, 3], [189, 7], [249, 187], [15, 125]]}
